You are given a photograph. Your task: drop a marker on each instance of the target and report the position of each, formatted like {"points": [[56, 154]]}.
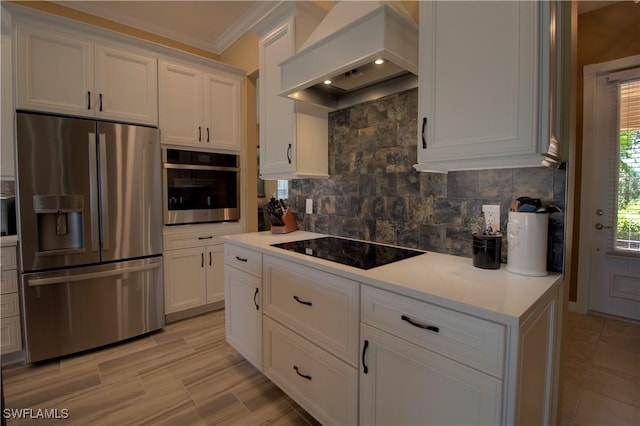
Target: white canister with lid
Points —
{"points": [[527, 235]]}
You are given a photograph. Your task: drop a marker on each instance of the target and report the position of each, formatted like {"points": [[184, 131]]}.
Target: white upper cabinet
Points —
{"points": [[180, 104], [68, 72], [222, 111], [293, 136], [55, 72], [478, 86], [126, 85], [198, 107], [7, 166]]}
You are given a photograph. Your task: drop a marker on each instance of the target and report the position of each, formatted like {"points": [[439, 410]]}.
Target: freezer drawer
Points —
{"points": [[83, 308]]}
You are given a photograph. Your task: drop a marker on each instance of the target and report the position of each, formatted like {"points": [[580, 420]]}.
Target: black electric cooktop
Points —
{"points": [[360, 254]]}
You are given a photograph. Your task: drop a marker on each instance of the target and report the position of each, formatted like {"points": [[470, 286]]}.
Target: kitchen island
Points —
{"points": [[429, 339]]}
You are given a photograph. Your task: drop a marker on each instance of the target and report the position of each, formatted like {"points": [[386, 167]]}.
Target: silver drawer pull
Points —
{"points": [[419, 324], [297, 299], [304, 376]]}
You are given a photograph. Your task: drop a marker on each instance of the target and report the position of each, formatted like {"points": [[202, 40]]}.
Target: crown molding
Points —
{"points": [[246, 23]]}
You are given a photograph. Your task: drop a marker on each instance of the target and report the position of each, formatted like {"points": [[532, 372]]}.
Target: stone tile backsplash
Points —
{"points": [[373, 193]]}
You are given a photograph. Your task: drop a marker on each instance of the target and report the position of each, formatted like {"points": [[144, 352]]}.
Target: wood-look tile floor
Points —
{"points": [[185, 374], [601, 368]]}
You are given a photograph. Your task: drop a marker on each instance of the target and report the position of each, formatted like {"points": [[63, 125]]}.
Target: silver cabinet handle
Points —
{"points": [[289, 153], [93, 191], [104, 190]]}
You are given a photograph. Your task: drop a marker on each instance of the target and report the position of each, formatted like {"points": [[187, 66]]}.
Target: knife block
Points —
{"points": [[290, 224]]}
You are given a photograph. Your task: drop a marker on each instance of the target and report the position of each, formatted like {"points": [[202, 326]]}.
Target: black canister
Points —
{"points": [[487, 251]]}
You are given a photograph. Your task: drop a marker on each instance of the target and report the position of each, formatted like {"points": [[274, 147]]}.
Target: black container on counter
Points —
{"points": [[487, 251]]}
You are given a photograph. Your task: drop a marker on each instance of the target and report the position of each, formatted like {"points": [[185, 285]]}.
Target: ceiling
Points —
{"points": [[210, 25]]}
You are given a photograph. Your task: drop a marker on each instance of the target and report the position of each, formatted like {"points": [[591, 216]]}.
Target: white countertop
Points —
{"points": [[447, 280]]}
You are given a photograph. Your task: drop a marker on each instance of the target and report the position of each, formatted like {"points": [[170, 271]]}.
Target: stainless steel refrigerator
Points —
{"points": [[90, 210]]}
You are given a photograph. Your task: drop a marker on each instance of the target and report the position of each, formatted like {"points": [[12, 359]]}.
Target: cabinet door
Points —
{"points": [[54, 72], [406, 384], [243, 314], [10, 335], [184, 279], [221, 112], [7, 168], [277, 116], [215, 273], [478, 103], [126, 85], [180, 104]]}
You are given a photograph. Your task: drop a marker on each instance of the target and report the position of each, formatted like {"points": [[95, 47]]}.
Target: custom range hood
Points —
{"points": [[335, 66]]}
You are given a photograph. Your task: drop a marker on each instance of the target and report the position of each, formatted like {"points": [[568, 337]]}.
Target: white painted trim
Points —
{"points": [[243, 25], [591, 74]]}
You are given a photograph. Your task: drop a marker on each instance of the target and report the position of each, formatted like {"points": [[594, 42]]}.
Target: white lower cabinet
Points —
{"points": [[195, 277], [321, 307], [186, 277], [243, 302], [351, 353], [310, 338], [323, 385], [194, 267], [407, 384], [421, 362], [10, 331]]}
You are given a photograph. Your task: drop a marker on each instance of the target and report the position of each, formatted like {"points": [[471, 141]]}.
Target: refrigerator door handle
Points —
{"points": [[93, 192], [91, 275], [104, 190]]}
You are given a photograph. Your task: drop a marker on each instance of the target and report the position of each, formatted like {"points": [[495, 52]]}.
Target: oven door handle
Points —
{"points": [[197, 167]]}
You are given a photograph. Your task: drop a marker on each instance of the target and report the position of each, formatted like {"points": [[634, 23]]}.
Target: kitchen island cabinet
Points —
{"points": [[68, 72], [439, 340], [480, 86], [243, 302], [310, 337]]}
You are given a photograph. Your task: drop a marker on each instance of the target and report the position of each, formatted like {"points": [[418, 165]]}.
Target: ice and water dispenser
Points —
{"points": [[59, 221]]}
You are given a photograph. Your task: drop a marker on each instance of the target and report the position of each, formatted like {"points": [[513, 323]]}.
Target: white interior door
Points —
{"points": [[610, 209]]}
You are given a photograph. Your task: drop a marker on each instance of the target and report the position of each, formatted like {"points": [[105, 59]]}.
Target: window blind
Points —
{"points": [[627, 131]]}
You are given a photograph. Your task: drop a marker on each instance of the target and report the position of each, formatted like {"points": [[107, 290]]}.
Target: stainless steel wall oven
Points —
{"points": [[200, 187]]}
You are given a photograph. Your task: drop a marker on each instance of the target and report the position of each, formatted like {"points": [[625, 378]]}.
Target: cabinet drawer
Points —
{"points": [[8, 281], [319, 306], [242, 258], [8, 258], [189, 239], [9, 305], [10, 335], [325, 386], [465, 338]]}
